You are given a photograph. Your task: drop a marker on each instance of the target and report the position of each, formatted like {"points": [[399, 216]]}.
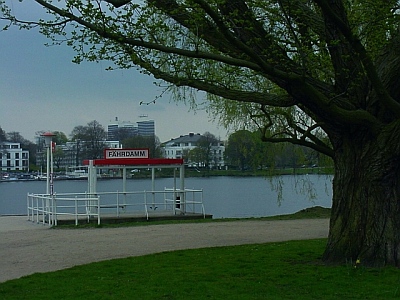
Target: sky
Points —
{"points": [[41, 89]]}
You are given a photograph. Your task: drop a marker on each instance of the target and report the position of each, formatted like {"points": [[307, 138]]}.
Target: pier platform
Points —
{"points": [[129, 218]]}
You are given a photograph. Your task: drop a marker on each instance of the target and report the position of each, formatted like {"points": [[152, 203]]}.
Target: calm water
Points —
{"points": [[223, 197]]}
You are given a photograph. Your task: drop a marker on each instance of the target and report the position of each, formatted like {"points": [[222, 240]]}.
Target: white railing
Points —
{"points": [[188, 201], [48, 209]]}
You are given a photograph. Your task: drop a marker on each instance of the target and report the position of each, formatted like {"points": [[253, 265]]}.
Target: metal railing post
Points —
{"points": [[76, 211], [98, 210], [36, 209], [27, 205], [55, 211], [118, 203], [145, 205], [43, 211]]}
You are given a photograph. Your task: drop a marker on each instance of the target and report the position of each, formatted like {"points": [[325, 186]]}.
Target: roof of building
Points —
{"points": [[189, 138]]}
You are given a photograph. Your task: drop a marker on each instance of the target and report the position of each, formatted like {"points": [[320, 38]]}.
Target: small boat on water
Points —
{"points": [[17, 177]]}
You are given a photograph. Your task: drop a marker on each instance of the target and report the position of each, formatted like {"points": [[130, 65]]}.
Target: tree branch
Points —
{"points": [[232, 94], [307, 91], [365, 59], [122, 40], [200, 28], [245, 48], [319, 148]]}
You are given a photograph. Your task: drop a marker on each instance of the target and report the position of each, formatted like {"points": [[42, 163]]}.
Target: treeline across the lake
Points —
{"points": [[244, 152]]}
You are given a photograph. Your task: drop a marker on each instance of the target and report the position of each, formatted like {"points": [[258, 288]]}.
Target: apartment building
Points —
{"points": [[13, 157], [180, 148]]}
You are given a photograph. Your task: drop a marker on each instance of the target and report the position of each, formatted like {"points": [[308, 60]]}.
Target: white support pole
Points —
{"points": [[98, 211], [92, 178], [48, 171], [88, 178], [123, 187], [182, 188], [51, 170], [174, 195], [124, 179], [153, 185], [49, 180], [51, 209]]}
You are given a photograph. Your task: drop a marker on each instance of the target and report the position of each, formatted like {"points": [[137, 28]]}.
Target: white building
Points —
{"points": [[181, 146], [124, 129], [13, 158]]}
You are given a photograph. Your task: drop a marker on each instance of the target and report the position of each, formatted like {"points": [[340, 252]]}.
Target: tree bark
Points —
{"points": [[365, 220]]}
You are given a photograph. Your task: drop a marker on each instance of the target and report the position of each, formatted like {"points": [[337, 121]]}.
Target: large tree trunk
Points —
{"points": [[365, 220]]}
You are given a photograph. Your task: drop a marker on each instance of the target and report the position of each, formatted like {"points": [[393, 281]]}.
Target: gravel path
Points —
{"points": [[28, 248]]}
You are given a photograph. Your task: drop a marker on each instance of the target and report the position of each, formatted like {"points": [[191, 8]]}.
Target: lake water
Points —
{"points": [[223, 197]]}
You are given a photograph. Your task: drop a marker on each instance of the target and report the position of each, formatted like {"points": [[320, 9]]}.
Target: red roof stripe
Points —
{"points": [[135, 162]]}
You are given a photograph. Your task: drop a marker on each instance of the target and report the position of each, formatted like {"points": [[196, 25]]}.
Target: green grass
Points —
{"points": [[286, 270]]}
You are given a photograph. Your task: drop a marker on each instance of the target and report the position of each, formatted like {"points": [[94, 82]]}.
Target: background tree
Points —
{"points": [[186, 155], [197, 156], [239, 151], [264, 153], [90, 140], [15, 137], [95, 140], [205, 145], [58, 157], [289, 156], [299, 69], [3, 137], [59, 138], [123, 133], [77, 135], [245, 150]]}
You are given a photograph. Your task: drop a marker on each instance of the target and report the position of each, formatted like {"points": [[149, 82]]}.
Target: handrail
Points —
{"points": [[45, 208]]}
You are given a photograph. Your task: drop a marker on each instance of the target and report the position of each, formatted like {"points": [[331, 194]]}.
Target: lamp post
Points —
{"points": [[48, 140]]}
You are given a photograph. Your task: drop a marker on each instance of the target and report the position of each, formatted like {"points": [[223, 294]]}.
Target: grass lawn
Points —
{"points": [[284, 270]]}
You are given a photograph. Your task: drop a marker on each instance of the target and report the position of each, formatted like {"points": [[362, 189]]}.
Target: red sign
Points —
{"points": [[126, 153]]}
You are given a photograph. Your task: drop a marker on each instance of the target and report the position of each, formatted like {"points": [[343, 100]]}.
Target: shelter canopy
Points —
{"points": [[136, 162]]}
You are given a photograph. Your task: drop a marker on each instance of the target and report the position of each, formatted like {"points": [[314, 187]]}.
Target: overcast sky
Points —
{"points": [[41, 89]]}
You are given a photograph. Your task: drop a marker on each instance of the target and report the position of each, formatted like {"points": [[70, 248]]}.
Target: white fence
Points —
{"points": [[47, 209]]}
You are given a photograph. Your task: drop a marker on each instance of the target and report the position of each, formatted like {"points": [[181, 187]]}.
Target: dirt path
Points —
{"points": [[27, 248]]}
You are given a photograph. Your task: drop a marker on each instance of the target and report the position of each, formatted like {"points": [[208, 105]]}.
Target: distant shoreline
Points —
{"points": [[192, 173]]}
